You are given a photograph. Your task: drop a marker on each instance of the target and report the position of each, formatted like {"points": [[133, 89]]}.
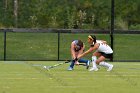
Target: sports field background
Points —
{"points": [[27, 52], [30, 77], [44, 46]]}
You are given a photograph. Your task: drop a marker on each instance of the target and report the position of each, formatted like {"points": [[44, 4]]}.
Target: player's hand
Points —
{"points": [[76, 59], [79, 56], [76, 63]]}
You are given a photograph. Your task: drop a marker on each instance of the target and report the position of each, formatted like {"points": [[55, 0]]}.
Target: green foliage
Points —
{"points": [[85, 14], [128, 11], [135, 27], [121, 24]]}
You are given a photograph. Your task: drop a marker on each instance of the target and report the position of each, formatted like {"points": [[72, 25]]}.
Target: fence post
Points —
{"points": [[112, 25], [58, 44], [4, 45]]}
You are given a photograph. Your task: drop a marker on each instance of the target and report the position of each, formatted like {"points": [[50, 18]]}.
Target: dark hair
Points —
{"points": [[80, 43]]}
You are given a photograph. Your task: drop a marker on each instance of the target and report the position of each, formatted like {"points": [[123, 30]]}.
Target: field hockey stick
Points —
{"points": [[56, 65]]}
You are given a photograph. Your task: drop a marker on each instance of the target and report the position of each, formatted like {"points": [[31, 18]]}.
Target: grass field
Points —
{"points": [[29, 77]]}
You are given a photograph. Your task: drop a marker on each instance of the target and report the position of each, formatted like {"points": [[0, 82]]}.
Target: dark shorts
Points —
{"points": [[106, 55]]}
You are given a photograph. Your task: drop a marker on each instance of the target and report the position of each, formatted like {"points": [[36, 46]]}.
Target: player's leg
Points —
{"points": [[71, 65], [87, 62], [94, 58], [101, 62], [109, 66], [84, 61]]}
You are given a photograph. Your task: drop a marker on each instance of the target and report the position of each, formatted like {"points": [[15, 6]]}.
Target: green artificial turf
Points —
{"points": [[30, 77]]}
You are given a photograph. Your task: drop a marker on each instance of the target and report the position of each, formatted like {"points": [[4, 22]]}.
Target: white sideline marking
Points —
{"points": [[74, 86], [20, 78], [98, 72], [123, 75]]}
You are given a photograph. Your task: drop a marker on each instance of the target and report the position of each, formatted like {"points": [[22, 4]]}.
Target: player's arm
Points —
{"points": [[82, 49], [72, 51], [105, 42], [89, 50]]}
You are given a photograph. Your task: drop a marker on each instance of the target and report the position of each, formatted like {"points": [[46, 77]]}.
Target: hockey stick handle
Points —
{"points": [[68, 61], [59, 64]]}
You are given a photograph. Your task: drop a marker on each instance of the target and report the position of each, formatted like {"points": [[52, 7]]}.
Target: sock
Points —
{"points": [[104, 64], [94, 58], [72, 64], [83, 61]]}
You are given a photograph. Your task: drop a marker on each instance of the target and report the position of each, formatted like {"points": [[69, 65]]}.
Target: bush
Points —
{"points": [[135, 27]]}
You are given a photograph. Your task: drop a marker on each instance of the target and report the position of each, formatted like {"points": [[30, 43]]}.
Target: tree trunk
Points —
{"points": [[16, 13]]}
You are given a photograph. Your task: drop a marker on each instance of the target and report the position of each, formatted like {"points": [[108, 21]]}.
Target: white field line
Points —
{"points": [[19, 72], [123, 75], [98, 72], [70, 86], [74, 86], [115, 63], [68, 77], [67, 74], [20, 78]]}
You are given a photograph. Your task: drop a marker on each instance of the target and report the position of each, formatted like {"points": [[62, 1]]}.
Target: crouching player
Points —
{"points": [[77, 48], [103, 51]]}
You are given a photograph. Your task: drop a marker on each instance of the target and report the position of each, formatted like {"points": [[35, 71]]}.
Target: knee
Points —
{"points": [[94, 58], [97, 62]]}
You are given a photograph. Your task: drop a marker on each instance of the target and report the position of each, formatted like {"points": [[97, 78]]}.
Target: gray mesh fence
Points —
{"points": [[41, 44]]}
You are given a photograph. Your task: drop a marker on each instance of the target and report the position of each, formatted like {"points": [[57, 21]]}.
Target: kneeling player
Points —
{"points": [[77, 48]]}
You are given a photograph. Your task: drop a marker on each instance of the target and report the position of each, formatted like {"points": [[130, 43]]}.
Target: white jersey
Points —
{"points": [[104, 47]]}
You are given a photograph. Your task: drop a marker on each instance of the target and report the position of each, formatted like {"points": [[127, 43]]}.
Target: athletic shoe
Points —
{"points": [[44, 67], [110, 68], [70, 68], [88, 64], [93, 69]]}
